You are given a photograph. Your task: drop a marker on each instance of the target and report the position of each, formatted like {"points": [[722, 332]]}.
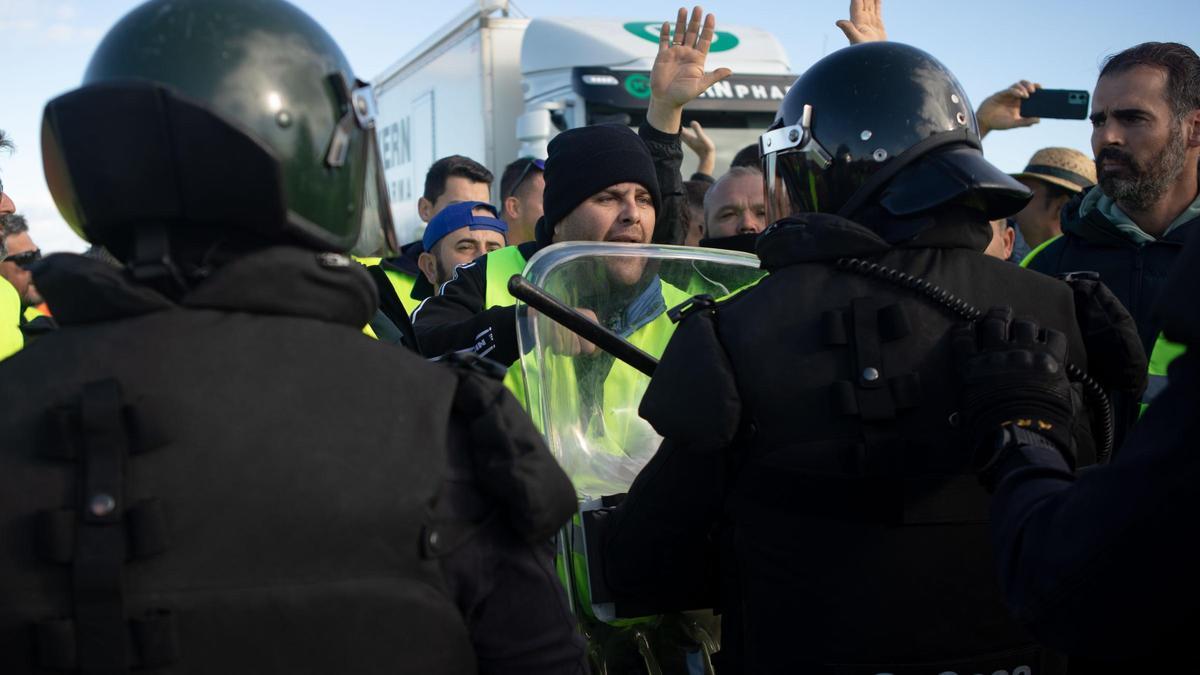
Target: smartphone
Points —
{"points": [[1059, 104]]}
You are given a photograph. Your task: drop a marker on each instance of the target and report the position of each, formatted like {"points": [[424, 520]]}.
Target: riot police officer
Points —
{"points": [[209, 468], [827, 497]]}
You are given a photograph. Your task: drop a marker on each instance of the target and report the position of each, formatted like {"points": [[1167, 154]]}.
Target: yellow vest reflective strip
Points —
{"points": [[1036, 250], [11, 339], [1161, 357], [401, 282], [32, 313], [501, 265]]}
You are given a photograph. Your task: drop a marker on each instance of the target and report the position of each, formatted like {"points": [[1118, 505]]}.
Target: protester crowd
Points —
{"points": [[948, 431]]}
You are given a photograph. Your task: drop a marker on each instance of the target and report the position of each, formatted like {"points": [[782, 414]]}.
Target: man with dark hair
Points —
{"points": [[453, 179], [402, 283], [457, 235], [603, 183], [1129, 229], [21, 254], [521, 187]]}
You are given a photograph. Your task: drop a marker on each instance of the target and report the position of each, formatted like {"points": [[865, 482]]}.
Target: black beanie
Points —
{"points": [[586, 160]]}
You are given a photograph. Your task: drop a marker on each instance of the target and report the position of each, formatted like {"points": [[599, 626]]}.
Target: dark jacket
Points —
{"points": [[285, 494], [457, 319], [828, 483], [1135, 273], [1124, 593]]}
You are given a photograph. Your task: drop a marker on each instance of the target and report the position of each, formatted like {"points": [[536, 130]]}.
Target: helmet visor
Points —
{"points": [[376, 233], [793, 169]]}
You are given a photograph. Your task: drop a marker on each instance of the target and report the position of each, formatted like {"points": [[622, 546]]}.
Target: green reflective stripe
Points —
{"points": [[32, 313], [403, 283], [1038, 249], [1164, 353], [580, 573], [1161, 356], [501, 265], [11, 339]]}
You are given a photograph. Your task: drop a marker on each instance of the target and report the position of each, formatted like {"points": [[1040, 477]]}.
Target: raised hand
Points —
{"points": [[694, 137], [866, 22], [1002, 110], [678, 74]]}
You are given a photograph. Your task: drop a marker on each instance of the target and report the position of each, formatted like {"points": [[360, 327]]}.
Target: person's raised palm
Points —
{"points": [[866, 22], [678, 75]]}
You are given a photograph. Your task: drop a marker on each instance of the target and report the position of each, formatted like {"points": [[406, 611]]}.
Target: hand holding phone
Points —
{"points": [[1061, 104]]}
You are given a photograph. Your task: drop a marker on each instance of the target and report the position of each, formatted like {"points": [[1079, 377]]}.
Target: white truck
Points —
{"points": [[495, 87]]}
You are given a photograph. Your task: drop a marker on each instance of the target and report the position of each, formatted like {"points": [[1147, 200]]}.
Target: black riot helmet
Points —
{"points": [[217, 118], [884, 124]]}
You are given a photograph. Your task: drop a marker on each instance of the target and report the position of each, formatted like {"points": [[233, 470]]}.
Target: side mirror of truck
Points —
{"points": [[535, 127]]}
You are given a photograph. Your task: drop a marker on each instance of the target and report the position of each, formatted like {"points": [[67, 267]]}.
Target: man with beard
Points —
{"points": [[21, 254], [1129, 230], [457, 235], [602, 183]]}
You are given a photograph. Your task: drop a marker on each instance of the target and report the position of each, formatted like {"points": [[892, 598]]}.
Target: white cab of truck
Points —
{"points": [[494, 87]]}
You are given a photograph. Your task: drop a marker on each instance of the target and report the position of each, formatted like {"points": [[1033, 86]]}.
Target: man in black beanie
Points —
{"points": [[602, 184]]}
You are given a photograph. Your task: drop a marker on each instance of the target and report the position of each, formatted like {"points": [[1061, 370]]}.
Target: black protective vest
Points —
{"points": [[856, 533], [217, 491]]}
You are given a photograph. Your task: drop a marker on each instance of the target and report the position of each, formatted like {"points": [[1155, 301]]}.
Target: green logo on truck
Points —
{"points": [[638, 85], [722, 41]]}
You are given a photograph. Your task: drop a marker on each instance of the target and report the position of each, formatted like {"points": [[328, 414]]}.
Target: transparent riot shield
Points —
{"points": [[586, 402]]}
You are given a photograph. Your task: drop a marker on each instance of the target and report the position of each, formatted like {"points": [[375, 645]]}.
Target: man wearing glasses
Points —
{"points": [[521, 187], [14, 266]]}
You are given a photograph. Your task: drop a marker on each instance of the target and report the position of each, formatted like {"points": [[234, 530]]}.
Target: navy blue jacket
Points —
{"points": [[1104, 565], [1136, 273]]}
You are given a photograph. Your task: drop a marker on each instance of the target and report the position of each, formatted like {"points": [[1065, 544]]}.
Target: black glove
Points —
{"points": [[1014, 376], [1116, 358]]}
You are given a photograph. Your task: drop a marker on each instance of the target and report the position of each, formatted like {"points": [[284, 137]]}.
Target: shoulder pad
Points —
{"points": [[474, 363]]}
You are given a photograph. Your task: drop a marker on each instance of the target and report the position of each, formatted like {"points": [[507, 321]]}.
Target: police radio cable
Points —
{"points": [[959, 307]]}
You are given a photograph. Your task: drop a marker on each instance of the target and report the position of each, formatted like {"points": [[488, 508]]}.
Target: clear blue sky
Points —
{"points": [[1060, 43]]}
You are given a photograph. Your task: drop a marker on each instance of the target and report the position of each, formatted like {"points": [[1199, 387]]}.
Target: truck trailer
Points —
{"points": [[495, 87]]}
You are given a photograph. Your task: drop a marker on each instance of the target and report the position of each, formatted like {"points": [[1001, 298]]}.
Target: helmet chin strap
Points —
{"points": [[899, 162], [151, 264]]}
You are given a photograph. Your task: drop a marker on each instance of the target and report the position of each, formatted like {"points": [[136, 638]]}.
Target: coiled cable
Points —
{"points": [[961, 308]]}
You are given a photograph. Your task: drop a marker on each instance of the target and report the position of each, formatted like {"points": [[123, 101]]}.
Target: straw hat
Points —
{"points": [[1063, 167]]}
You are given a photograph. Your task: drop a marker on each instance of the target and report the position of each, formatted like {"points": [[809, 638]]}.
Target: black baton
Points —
{"points": [[589, 330]]}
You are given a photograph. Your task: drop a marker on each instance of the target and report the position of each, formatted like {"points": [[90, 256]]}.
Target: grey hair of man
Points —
{"points": [[12, 225], [734, 172]]}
